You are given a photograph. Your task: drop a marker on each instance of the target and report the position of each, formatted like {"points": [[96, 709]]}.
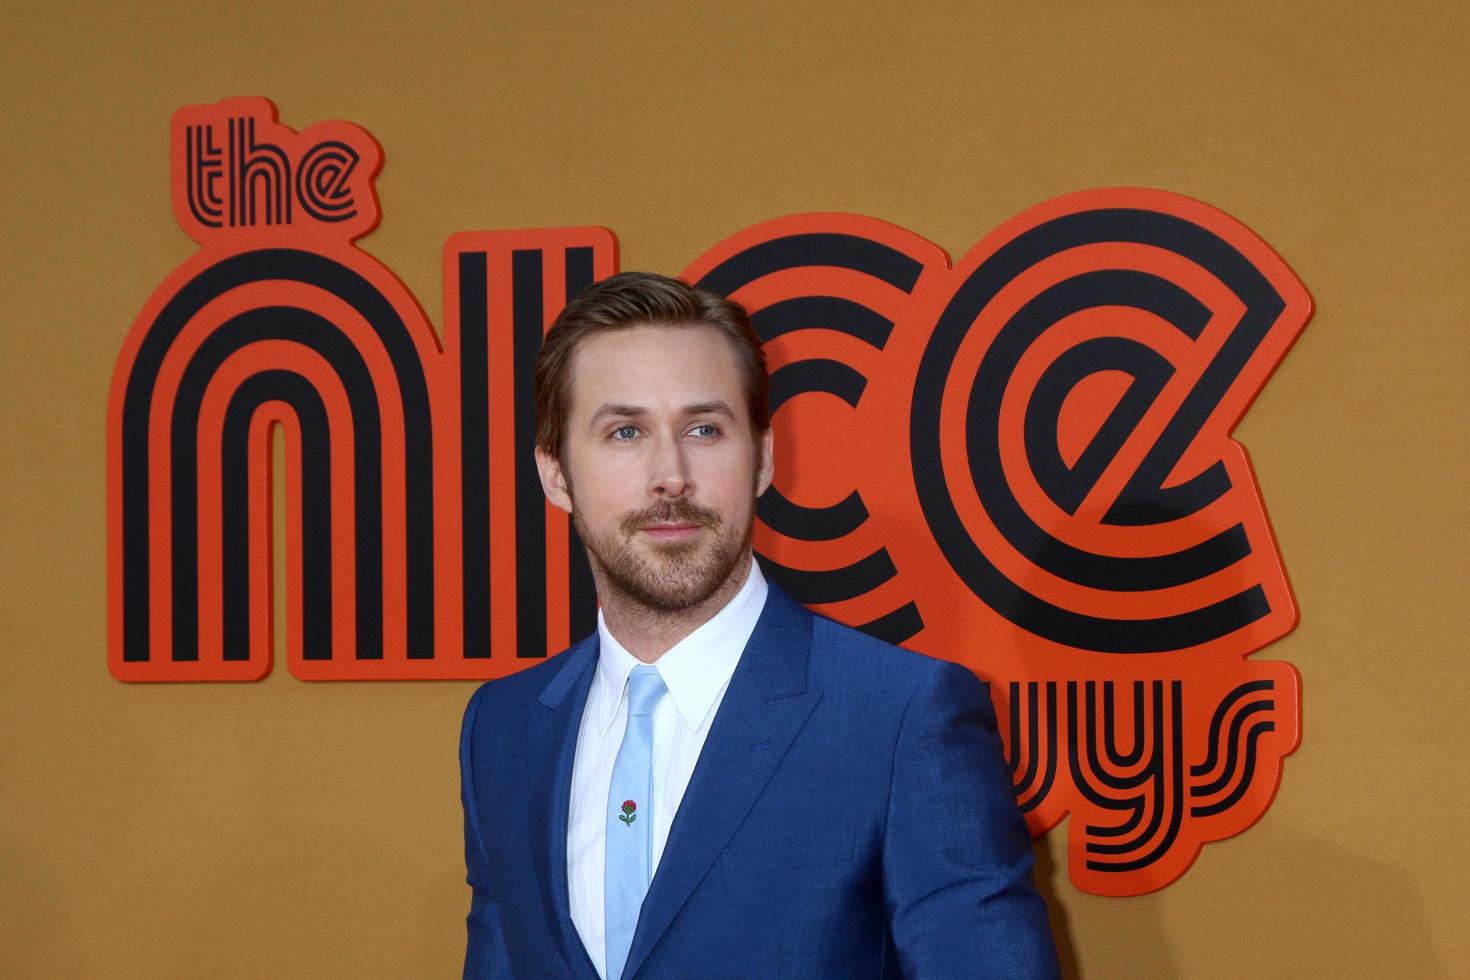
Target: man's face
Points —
{"points": [[660, 466]]}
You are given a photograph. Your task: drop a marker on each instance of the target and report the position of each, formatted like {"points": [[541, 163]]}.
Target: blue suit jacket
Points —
{"points": [[850, 816]]}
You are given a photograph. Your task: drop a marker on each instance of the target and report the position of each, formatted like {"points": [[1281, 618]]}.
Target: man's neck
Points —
{"points": [[650, 633]]}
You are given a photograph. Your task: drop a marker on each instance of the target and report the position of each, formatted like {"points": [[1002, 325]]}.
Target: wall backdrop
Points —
{"points": [[305, 829]]}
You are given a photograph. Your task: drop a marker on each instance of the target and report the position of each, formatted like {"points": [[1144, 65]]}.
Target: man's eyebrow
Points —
{"points": [[715, 407], [615, 410], [620, 411]]}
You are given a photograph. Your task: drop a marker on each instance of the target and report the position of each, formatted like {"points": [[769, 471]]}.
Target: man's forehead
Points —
{"points": [[655, 368], [662, 336]]}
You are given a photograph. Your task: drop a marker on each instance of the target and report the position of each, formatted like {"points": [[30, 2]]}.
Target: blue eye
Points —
{"points": [[705, 430], [625, 432]]}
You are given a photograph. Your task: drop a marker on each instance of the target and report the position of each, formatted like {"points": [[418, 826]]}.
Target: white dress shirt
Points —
{"points": [[697, 671]]}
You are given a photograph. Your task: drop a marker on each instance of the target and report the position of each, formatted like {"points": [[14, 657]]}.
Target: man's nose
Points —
{"points": [[670, 475]]}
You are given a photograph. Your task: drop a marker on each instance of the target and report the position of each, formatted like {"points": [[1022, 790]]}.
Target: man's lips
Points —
{"points": [[662, 531], [672, 521]]}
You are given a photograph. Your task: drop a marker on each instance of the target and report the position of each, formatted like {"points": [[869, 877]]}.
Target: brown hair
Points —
{"points": [[637, 299]]}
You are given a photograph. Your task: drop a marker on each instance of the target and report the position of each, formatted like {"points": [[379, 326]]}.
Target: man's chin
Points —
{"points": [[675, 581], [668, 576], [671, 552]]}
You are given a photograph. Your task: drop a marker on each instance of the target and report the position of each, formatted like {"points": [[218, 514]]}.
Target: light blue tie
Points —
{"points": [[630, 818]]}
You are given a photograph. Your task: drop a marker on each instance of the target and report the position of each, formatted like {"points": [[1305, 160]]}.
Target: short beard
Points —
{"points": [[691, 572]]}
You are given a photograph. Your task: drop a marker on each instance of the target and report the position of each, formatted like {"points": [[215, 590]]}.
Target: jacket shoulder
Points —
{"points": [[531, 679], [850, 657], [500, 697]]}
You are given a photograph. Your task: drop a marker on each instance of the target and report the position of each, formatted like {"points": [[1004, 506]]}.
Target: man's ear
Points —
{"points": [[767, 461], [553, 480]]}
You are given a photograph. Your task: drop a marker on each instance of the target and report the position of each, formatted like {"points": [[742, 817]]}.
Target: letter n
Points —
{"points": [[406, 466]]}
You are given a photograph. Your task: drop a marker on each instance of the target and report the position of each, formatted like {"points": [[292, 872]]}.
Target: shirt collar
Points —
{"points": [[696, 669]]}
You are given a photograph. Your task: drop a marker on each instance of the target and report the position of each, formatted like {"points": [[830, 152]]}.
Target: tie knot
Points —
{"points": [[645, 689]]}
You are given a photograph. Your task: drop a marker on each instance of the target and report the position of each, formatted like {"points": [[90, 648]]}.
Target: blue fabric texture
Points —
{"points": [[630, 805], [851, 815]]}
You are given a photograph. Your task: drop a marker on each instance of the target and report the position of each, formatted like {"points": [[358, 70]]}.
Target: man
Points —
{"points": [[718, 783]]}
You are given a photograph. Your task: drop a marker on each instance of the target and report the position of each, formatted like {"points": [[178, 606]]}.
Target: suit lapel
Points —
{"points": [[764, 708], [552, 725]]}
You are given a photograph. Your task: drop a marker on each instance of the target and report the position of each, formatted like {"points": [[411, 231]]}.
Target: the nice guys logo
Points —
{"points": [[1020, 461]]}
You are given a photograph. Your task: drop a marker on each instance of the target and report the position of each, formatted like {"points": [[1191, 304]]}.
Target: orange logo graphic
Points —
{"points": [[1021, 462]]}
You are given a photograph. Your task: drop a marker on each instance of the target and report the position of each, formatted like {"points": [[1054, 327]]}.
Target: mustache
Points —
{"points": [[669, 512]]}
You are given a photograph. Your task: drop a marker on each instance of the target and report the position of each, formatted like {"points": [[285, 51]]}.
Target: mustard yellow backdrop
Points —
{"points": [[306, 830]]}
